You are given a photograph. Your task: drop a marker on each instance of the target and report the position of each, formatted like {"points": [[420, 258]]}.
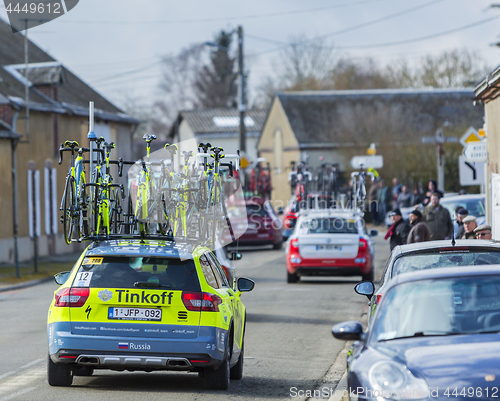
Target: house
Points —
{"points": [[31, 131], [488, 93], [336, 125], [220, 127]]}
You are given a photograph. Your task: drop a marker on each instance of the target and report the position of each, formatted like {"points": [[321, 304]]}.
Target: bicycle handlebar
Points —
{"points": [[80, 150]]}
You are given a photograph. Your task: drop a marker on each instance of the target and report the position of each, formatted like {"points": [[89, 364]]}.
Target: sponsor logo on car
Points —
{"points": [[105, 295]]}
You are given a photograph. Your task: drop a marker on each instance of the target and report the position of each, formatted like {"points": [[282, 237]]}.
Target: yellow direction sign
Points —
{"points": [[244, 162], [471, 135]]}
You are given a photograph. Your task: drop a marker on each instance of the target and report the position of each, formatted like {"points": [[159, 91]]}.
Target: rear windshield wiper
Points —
{"points": [[425, 334], [150, 284]]}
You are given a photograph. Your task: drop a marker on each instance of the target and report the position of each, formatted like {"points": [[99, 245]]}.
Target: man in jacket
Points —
{"points": [[420, 231], [469, 225], [404, 197], [438, 219], [399, 230], [461, 215]]}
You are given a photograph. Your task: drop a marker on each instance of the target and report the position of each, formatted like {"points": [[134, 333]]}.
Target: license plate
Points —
{"points": [[134, 314], [328, 247]]}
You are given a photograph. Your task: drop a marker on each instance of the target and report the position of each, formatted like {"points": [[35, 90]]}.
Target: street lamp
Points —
{"points": [[241, 86]]}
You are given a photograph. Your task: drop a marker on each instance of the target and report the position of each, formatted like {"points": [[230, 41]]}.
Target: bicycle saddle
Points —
{"points": [[205, 146], [149, 138], [71, 144]]}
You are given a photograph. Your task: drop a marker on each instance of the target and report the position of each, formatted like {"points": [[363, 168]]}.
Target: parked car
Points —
{"points": [[432, 255], [327, 242], [155, 305], [264, 225], [434, 337]]}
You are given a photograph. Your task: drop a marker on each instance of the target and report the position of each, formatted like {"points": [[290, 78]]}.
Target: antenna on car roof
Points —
{"points": [[453, 241]]}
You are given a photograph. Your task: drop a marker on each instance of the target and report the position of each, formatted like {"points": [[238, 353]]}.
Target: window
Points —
{"points": [[219, 273], [208, 272], [278, 151]]}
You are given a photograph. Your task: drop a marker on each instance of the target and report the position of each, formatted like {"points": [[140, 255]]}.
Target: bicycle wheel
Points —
{"points": [[115, 213], [68, 209]]}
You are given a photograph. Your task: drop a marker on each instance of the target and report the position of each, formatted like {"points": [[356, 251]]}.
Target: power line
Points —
{"points": [[218, 19], [355, 27], [436, 35]]}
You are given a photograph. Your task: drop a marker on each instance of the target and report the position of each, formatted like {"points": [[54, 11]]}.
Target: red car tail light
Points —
{"points": [[294, 247], [363, 244], [201, 301], [72, 297]]}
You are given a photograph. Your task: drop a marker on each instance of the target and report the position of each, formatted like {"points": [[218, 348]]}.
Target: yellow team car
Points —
{"points": [[154, 305]]}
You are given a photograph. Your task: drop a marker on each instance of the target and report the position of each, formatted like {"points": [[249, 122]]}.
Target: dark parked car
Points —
{"points": [[264, 225], [435, 254], [434, 337]]}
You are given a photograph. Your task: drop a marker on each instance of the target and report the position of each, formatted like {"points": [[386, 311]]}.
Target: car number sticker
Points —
{"points": [[83, 279], [92, 261], [134, 313]]}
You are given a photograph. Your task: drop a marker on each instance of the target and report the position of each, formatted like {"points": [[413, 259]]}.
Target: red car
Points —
{"points": [[264, 225]]}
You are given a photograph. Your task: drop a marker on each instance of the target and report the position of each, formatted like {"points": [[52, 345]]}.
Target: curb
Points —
{"points": [[26, 284], [339, 390]]}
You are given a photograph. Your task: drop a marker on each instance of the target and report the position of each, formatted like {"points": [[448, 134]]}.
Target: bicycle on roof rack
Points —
{"points": [[359, 188]]}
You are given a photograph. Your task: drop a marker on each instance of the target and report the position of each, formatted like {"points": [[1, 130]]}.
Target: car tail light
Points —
{"points": [[72, 297], [201, 301], [379, 297], [363, 244], [294, 247]]}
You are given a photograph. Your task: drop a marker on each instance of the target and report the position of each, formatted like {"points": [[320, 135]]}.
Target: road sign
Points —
{"points": [[244, 163], [471, 135], [476, 152], [471, 173], [367, 161]]}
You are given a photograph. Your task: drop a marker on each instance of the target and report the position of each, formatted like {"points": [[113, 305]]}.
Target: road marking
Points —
{"points": [[15, 395], [13, 372]]}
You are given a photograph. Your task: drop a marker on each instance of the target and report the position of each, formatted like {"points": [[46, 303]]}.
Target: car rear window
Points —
{"points": [[137, 272], [256, 210], [475, 207], [411, 263], [329, 225]]}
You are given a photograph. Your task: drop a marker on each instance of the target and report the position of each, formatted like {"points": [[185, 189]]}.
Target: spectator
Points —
{"points": [[417, 197], [438, 219], [483, 231], [372, 199], [469, 226], [432, 187], [399, 230], [404, 197], [420, 231], [396, 189], [461, 215], [383, 199]]}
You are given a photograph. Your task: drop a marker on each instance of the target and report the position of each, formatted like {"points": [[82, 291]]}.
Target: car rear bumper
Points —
{"points": [[147, 353], [329, 267]]}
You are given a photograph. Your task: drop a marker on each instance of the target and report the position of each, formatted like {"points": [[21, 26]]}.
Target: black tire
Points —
{"points": [[292, 278], [370, 275], [237, 370], [278, 246], [218, 379], [85, 212], [58, 374], [68, 209], [115, 221]]}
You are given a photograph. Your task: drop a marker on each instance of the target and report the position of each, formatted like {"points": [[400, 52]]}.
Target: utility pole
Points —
{"points": [[26, 84], [241, 92]]}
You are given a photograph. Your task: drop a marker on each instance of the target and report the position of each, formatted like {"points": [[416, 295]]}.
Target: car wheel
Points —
{"points": [[292, 278], [58, 374], [370, 275], [279, 245], [237, 370], [218, 379]]}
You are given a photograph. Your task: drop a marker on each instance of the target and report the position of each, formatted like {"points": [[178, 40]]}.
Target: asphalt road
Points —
{"points": [[288, 341]]}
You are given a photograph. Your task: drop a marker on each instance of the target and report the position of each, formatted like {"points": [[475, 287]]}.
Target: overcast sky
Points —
{"points": [[101, 39]]}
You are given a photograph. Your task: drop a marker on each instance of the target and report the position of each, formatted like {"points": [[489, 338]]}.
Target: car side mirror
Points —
{"points": [[60, 278], [365, 288], [245, 284], [373, 233], [280, 210], [348, 331], [236, 256]]}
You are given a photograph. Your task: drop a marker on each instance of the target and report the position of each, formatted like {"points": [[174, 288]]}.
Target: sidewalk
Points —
{"points": [[47, 266]]}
